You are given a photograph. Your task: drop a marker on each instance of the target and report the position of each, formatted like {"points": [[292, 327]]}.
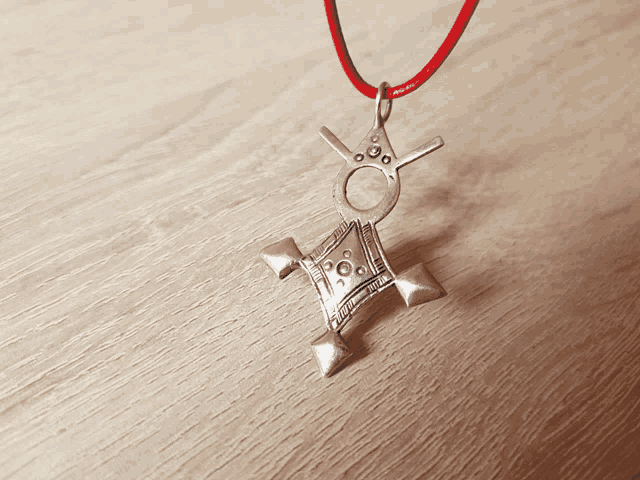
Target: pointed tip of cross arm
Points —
{"points": [[282, 257], [417, 286], [331, 352]]}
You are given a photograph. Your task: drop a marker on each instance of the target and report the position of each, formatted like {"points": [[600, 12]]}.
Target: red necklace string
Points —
{"points": [[430, 68]]}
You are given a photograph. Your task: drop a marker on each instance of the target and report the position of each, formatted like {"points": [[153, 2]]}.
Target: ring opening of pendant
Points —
{"points": [[366, 188]]}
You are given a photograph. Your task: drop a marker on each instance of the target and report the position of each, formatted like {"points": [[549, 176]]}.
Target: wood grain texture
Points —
{"points": [[149, 151]]}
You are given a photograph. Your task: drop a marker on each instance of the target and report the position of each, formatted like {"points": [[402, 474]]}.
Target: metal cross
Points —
{"points": [[350, 266]]}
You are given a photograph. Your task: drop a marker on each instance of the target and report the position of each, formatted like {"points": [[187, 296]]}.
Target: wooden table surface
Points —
{"points": [[150, 150]]}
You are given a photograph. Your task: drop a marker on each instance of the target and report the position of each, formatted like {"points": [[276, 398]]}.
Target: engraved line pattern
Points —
{"points": [[345, 311], [376, 239], [377, 284], [362, 287], [372, 247], [360, 297], [328, 244], [324, 292], [382, 284]]}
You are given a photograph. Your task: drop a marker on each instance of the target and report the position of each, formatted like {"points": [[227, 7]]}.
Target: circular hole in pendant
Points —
{"points": [[359, 157], [386, 159], [366, 188]]}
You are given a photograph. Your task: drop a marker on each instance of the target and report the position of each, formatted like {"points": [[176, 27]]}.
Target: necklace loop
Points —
{"points": [[381, 118], [409, 86]]}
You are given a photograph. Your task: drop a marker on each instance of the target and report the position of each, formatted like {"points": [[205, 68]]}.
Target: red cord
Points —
{"points": [[396, 92]]}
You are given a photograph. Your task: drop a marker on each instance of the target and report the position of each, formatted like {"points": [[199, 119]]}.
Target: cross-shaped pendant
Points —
{"points": [[350, 266]]}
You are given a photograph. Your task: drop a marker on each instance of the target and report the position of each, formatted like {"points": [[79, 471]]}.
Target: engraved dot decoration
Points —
{"points": [[386, 159], [374, 151], [344, 268], [359, 157], [374, 138]]}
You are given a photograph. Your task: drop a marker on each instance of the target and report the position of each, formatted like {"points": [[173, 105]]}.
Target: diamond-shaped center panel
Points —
{"points": [[347, 269], [346, 266]]}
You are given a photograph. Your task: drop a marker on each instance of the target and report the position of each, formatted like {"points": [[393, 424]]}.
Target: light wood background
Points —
{"points": [[149, 150]]}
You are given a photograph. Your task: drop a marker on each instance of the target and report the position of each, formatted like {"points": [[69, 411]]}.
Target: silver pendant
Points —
{"points": [[350, 267]]}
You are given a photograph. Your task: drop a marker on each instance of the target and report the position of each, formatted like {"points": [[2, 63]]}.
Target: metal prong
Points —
{"points": [[417, 285], [282, 257], [335, 142], [419, 152]]}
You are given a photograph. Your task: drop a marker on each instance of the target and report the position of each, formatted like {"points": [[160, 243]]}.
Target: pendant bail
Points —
{"points": [[380, 118]]}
